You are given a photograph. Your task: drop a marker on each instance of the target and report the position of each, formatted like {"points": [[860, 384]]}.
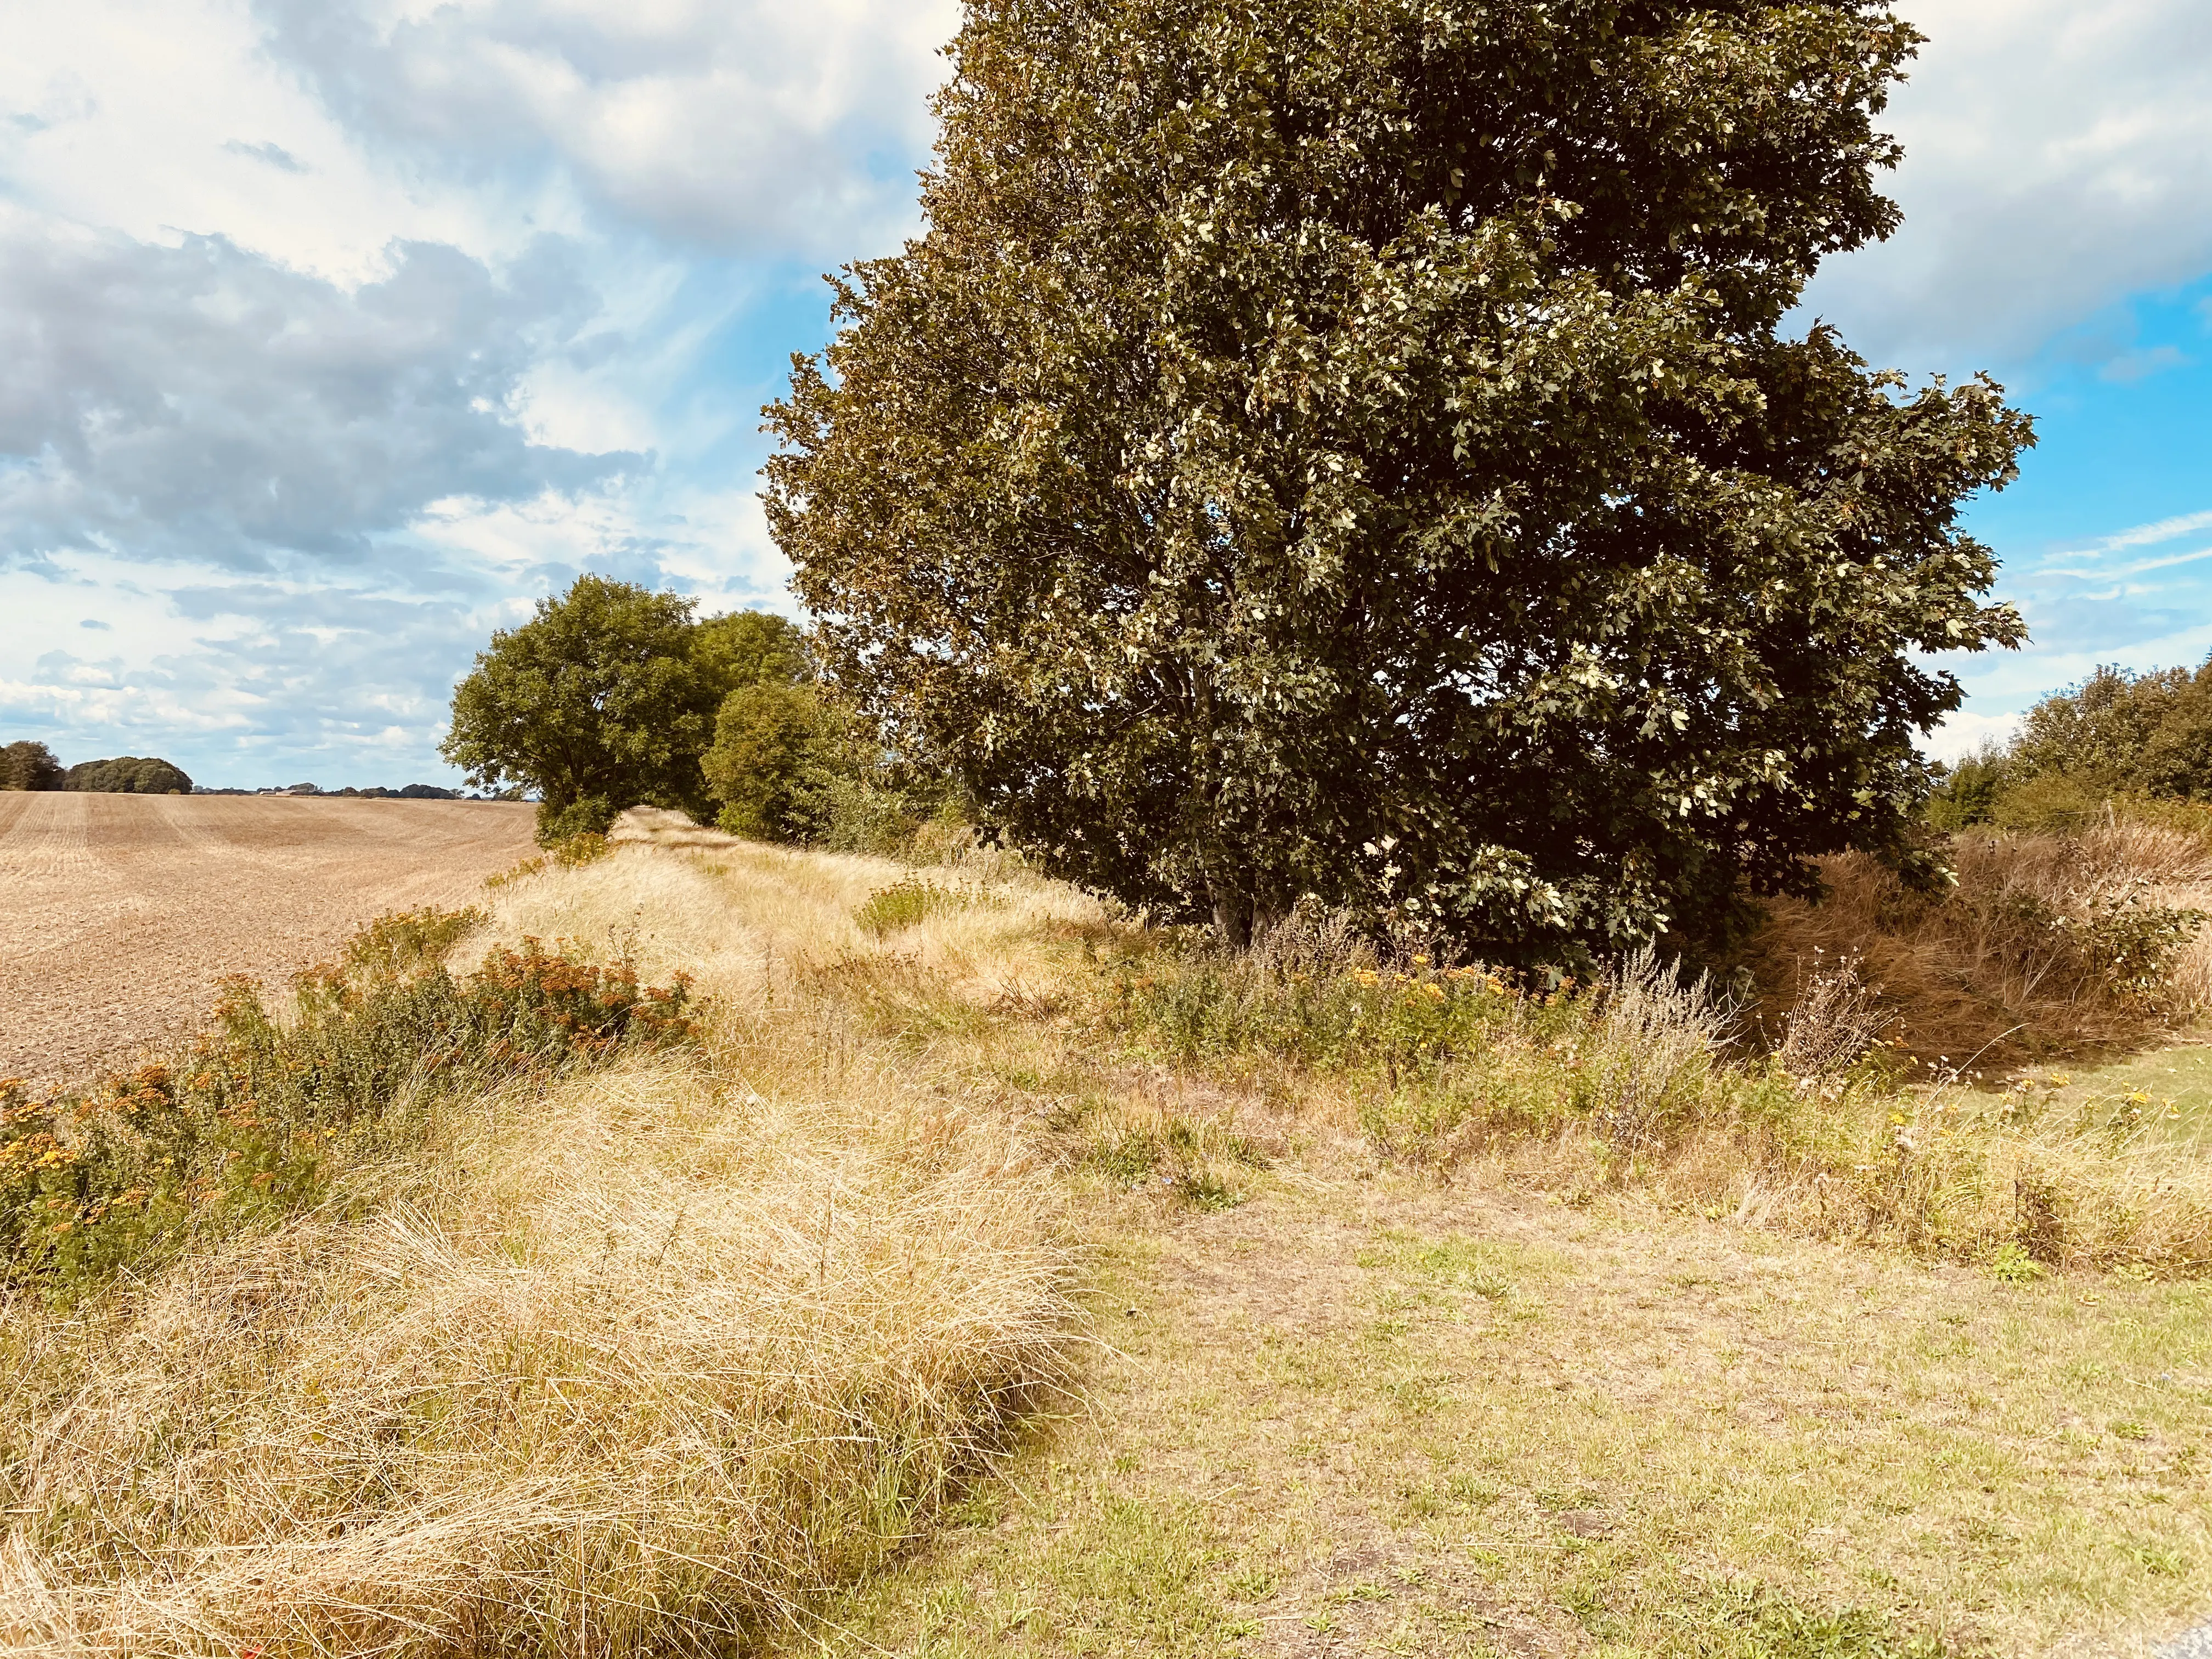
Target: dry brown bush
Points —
{"points": [[2045, 944]]}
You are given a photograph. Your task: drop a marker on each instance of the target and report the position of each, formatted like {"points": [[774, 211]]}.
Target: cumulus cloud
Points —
{"points": [[2058, 159], [201, 401], [747, 126]]}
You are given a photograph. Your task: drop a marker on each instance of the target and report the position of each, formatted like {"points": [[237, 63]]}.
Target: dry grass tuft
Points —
{"points": [[620, 1370], [2047, 943], [622, 1364]]}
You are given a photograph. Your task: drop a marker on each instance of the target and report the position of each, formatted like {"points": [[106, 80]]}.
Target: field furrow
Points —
{"points": [[120, 914]]}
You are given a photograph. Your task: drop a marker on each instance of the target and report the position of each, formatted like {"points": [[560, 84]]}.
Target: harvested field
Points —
{"points": [[119, 914]]}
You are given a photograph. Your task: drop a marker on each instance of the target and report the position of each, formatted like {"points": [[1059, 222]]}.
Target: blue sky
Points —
{"points": [[336, 331]]}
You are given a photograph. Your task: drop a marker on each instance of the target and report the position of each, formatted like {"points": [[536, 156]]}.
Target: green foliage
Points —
{"points": [[2116, 738], [254, 1119], [792, 764], [766, 763], [2045, 801], [28, 765], [1346, 447], [595, 703], [588, 818], [2129, 946], [905, 904], [751, 647], [2117, 733], [1966, 792], [128, 775]]}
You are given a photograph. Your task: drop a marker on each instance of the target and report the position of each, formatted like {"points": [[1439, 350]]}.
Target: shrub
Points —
{"points": [[1652, 1049], [1968, 790], [763, 764], [904, 904], [248, 1120], [1835, 1020], [2045, 940], [562, 822]]}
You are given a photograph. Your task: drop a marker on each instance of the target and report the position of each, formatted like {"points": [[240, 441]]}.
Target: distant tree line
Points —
{"points": [[2115, 735], [29, 765], [613, 695]]}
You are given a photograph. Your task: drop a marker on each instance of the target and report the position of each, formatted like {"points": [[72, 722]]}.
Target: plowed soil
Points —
{"points": [[119, 914]]}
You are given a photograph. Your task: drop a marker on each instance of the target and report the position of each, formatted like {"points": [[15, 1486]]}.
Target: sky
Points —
{"points": [[334, 333]]}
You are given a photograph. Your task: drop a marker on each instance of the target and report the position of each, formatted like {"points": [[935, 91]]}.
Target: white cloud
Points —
{"points": [[2150, 535], [161, 121], [198, 402], [1967, 733], [752, 126], [2058, 158], [336, 331]]}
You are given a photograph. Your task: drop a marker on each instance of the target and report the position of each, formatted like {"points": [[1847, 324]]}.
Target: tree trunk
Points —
{"points": [[1232, 913]]}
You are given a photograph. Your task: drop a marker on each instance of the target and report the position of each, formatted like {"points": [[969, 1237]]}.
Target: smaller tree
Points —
{"points": [[29, 765], [751, 647], [766, 764], [597, 704]]}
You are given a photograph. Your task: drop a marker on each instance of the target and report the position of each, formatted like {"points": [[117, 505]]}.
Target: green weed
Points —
{"points": [[904, 904]]}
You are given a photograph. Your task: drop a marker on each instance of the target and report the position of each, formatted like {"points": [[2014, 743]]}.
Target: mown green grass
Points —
{"points": [[1422, 1423], [2169, 1090]]}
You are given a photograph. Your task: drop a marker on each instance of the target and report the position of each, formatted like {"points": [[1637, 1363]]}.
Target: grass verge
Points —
{"points": [[994, 1279]]}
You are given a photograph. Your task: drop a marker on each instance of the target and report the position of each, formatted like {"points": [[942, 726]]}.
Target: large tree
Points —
{"points": [[596, 703], [1349, 447]]}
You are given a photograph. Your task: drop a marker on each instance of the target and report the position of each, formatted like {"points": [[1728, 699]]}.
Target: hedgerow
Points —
{"points": [[254, 1118]]}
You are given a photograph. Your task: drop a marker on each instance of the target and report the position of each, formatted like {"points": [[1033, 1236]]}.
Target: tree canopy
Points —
{"points": [[596, 703], [751, 647], [2145, 737], [128, 775], [1348, 447], [29, 765], [2149, 734]]}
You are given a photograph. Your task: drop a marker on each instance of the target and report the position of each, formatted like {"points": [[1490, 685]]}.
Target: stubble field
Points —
{"points": [[120, 914]]}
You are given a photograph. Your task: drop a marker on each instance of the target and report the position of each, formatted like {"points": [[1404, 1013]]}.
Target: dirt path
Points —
{"points": [[119, 914]]}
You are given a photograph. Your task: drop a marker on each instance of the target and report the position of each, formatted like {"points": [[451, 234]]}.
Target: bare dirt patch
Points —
{"points": [[120, 914]]}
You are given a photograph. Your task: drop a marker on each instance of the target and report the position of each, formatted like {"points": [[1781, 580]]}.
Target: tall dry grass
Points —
{"points": [[620, 1370], [1642, 1087], [622, 1364], [2048, 943]]}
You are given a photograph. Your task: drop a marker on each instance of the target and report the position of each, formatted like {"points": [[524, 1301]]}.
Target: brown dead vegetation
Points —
{"points": [[2048, 944]]}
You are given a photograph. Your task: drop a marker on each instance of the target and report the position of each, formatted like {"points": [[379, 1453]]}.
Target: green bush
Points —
{"points": [[1968, 790], [253, 1118], [2051, 802], [904, 904], [767, 763]]}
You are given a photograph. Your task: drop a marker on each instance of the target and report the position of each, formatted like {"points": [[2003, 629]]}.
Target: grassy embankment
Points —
{"points": [[1411, 1316]]}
